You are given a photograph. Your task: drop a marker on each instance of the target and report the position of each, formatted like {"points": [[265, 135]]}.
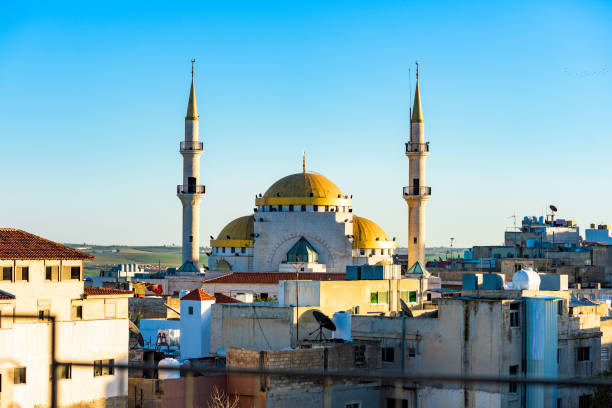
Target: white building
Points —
{"points": [[43, 278], [302, 223]]}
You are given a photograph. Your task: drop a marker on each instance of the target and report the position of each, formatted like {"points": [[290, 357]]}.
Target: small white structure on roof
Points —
{"points": [[526, 279], [195, 324]]}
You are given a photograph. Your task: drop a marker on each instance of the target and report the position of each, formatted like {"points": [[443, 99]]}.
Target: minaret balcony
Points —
{"points": [[190, 189], [417, 148], [417, 191], [192, 146]]}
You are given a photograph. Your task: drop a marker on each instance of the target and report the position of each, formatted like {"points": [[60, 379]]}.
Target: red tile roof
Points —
{"points": [[273, 277], [221, 298], [98, 291], [18, 244], [197, 294]]}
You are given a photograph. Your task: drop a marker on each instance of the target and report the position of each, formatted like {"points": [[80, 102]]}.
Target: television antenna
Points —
{"points": [[324, 323]]}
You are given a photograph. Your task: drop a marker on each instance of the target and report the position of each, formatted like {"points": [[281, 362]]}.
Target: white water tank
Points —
{"points": [[526, 279], [169, 363], [342, 320]]}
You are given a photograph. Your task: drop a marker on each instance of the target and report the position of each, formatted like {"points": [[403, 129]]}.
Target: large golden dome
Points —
{"points": [[305, 189], [238, 233], [368, 235]]}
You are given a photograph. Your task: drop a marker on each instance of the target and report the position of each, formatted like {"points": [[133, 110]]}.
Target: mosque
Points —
{"points": [[303, 222]]}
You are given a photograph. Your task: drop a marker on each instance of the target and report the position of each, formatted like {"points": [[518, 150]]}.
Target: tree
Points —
{"points": [[219, 399]]}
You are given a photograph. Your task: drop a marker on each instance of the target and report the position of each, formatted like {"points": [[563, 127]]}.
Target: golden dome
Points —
{"points": [[305, 189], [368, 235], [237, 233]]}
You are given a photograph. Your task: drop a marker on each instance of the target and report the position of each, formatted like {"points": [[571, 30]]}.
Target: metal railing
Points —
{"points": [[417, 191], [395, 378], [190, 189], [188, 146], [412, 147]]}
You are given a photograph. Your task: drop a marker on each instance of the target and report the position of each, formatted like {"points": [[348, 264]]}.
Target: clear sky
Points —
{"points": [[516, 99]]}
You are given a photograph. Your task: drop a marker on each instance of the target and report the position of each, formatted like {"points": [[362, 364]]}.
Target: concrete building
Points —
{"points": [[43, 278], [416, 194], [190, 192], [498, 333], [601, 234], [277, 325]]}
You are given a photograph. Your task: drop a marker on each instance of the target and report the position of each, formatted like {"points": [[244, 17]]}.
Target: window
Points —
{"points": [[191, 238], [233, 250], [388, 354], [585, 401], [77, 312], [515, 314], [263, 295], [583, 353], [517, 267], [315, 208], [362, 252], [326, 208], [378, 298], [303, 208], [23, 273], [558, 356], [243, 250], [104, 367], [512, 387], [75, 272], [605, 353], [558, 402], [48, 273], [190, 310], [7, 273], [290, 207], [560, 307], [19, 375], [353, 405], [359, 354], [395, 403], [414, 240], [223, 249], [411, 352], [63, 372], [408, 296]]}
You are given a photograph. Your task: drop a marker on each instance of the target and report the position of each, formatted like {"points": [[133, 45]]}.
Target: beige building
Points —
{"points": [[42, 278], [277, 325]]}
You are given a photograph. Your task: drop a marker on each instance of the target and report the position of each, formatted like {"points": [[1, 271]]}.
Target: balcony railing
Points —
{"points": [[417, 191], [193, 189], [412, 147], [187, 146]]}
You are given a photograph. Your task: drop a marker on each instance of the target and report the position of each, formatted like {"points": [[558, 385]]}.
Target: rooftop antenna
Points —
{"points": [[304, 162], [192, 63]]}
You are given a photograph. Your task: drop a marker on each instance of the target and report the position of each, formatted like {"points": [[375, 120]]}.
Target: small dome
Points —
{"points": [[238, 233], [222, 265], [526, 279], [368, 235], [306, 189]]}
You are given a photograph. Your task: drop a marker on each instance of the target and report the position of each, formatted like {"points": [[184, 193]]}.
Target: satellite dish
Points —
{"points": [[405, 309], [553, 208], [324, 323]]}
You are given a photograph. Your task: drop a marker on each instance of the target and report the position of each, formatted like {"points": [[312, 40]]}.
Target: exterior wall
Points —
{"points": [[28, 345], [326, 231], [195, 328], [233, 289], [606, 343], [154, 393], [149, 328], [238, 261]]}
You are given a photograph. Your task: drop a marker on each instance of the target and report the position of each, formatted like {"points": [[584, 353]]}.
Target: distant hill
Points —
{"points": [[111, 255]]}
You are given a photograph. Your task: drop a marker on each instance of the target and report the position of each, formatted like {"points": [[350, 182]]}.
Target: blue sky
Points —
{"points": [[516, 99]]}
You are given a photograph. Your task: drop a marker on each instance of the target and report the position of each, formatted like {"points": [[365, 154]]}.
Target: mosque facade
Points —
{"points": [[303, 222]]}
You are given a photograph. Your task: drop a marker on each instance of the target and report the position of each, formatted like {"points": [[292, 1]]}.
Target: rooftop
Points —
{"points": [[18, 244], [273, 277], [98, 291], [197, 294]]}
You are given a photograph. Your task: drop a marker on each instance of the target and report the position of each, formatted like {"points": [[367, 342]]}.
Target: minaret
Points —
{"points": [[416, 194], [190, 192]]}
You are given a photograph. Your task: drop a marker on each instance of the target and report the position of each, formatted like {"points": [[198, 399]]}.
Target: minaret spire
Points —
{"points": [[192, 108], [304, 162], [417, 113]]}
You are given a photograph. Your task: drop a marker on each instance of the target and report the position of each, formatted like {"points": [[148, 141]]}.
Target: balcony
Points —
{"points": [[191, 189], [413, 191], [417, 147], [192, 146]]}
